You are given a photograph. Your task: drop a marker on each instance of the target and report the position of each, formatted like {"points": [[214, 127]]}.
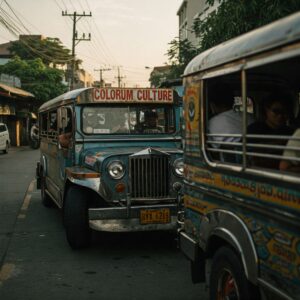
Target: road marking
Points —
{"points": [[6, 271], [31, 186], [26, 200]]}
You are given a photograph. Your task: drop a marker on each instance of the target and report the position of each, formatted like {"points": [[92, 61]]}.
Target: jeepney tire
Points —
{"points": [[227, 263], [46, 199], [76, 218]]}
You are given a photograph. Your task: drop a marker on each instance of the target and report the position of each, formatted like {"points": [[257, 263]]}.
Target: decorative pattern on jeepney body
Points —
{"points": [[191, 117], [195, 210], [267, 193], [278, 251], [278, 247]]}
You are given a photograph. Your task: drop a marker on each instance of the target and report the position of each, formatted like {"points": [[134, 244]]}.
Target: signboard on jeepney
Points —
{"points": [[133, 95]]}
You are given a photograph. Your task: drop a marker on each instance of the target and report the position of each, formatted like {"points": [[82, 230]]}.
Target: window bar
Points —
{"points": [[245, 121]]}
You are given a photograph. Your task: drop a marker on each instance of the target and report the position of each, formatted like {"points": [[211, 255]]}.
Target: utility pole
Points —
{"points": [[75, 40], [101, 70], [119, 77]]}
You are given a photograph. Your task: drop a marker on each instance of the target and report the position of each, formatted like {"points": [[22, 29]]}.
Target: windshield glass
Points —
{"points": [[128, 120]]}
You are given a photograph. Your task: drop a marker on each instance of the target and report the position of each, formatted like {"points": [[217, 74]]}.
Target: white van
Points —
{"points": [[4, 138]]}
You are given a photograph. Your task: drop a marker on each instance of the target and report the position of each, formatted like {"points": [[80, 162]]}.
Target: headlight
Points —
{"points": [[178, 167], [116, 169]]}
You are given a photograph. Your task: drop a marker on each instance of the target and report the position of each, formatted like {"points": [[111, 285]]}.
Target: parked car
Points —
{"points": [[4, 138]]}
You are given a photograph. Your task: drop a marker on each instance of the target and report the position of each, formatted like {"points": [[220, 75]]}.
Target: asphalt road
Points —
{"points": [[37, 263]]}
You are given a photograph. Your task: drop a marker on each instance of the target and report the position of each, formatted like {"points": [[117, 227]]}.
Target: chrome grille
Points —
{"points": [[149, 177]]}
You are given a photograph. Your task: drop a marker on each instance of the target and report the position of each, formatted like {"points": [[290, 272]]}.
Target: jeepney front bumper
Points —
{"points": [[134, 218]]}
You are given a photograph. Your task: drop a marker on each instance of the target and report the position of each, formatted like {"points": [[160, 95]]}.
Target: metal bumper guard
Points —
{"points": [[122, 219]]}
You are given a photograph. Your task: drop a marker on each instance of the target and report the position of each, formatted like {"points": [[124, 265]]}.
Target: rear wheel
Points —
{"points": [[46, 200], [76, 218], [228, 279]]}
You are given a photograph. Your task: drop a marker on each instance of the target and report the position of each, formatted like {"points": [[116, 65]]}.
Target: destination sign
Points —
{"points": [[135, 95]]}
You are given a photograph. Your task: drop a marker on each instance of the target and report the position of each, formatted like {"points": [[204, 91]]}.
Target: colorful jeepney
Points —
{"points": [[111, 159], [240, 227]]}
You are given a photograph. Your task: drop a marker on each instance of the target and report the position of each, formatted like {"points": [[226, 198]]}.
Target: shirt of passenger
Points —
{"points": [[291, 153], [227, 122]]}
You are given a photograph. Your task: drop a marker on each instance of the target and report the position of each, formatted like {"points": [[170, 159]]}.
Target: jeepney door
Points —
{"points": [[65, 140]]}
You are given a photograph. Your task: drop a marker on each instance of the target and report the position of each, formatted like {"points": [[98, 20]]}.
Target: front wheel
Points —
{"points": [[228, 279], [76, 218]]}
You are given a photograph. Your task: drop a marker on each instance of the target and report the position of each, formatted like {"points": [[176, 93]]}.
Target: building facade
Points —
{"points": [[17, 111], [188, 11]]}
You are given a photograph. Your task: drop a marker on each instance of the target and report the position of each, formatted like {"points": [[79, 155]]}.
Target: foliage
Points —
{"points": [[49, 50], [179, 54], [235, 17], [156, 78], [37, 78]]}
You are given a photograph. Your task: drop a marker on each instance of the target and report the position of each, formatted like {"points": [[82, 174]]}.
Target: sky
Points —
{"points": [[129, 34]]}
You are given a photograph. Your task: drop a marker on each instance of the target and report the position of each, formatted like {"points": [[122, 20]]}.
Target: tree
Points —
{"points": [[156, 78], [180, 54], [235, 17], [42, 81], [49, 50]]}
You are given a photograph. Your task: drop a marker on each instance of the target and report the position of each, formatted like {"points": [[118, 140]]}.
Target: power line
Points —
{"points": [[119, 77], [100, 71], [75, 40]]}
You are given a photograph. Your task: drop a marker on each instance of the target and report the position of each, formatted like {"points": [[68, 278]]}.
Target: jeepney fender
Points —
{"points": [[230, 228], [91, 183]]}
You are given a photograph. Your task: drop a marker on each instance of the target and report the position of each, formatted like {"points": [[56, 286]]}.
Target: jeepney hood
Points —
{"points": [[94, 157]]}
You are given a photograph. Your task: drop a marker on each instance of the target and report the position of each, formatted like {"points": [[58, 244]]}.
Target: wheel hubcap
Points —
{"points": [[227, 287]]}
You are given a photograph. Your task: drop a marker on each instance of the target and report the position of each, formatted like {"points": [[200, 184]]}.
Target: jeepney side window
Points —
{"points": [[271, 144], [52, 126], [43, 123], [224, 119]]}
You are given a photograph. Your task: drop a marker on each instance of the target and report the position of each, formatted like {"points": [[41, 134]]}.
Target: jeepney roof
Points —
{"points": [[114, 95], [68, 96], [275, 34]]}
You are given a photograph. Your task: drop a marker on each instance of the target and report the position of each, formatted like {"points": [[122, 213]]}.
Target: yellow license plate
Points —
{"points": [[155, 216]]}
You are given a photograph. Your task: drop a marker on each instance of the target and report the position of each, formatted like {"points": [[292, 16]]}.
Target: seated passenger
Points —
{"points": [[292, 165], [65, 137], [226, 121], [150, 124], [276, 114]]}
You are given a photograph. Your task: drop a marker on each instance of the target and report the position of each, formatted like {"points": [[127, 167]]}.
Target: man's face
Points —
{"points": [[152, 121], [276, 115]]}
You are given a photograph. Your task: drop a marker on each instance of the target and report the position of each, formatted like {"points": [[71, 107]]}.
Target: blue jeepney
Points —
{"points": [[111, 159], [240, 223]]}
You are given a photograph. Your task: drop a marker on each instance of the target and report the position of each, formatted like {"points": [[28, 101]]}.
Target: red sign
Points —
{"points": [[135, 95]]}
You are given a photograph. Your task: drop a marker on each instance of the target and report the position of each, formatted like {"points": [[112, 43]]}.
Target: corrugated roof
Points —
{"points": [[15, 91], [4, 49]]}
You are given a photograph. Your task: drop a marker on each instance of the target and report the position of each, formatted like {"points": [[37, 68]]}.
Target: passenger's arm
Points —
{"points": [[288, 166]]}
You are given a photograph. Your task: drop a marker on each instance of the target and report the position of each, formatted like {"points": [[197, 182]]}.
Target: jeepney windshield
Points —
{"points": [[128, 119]]}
